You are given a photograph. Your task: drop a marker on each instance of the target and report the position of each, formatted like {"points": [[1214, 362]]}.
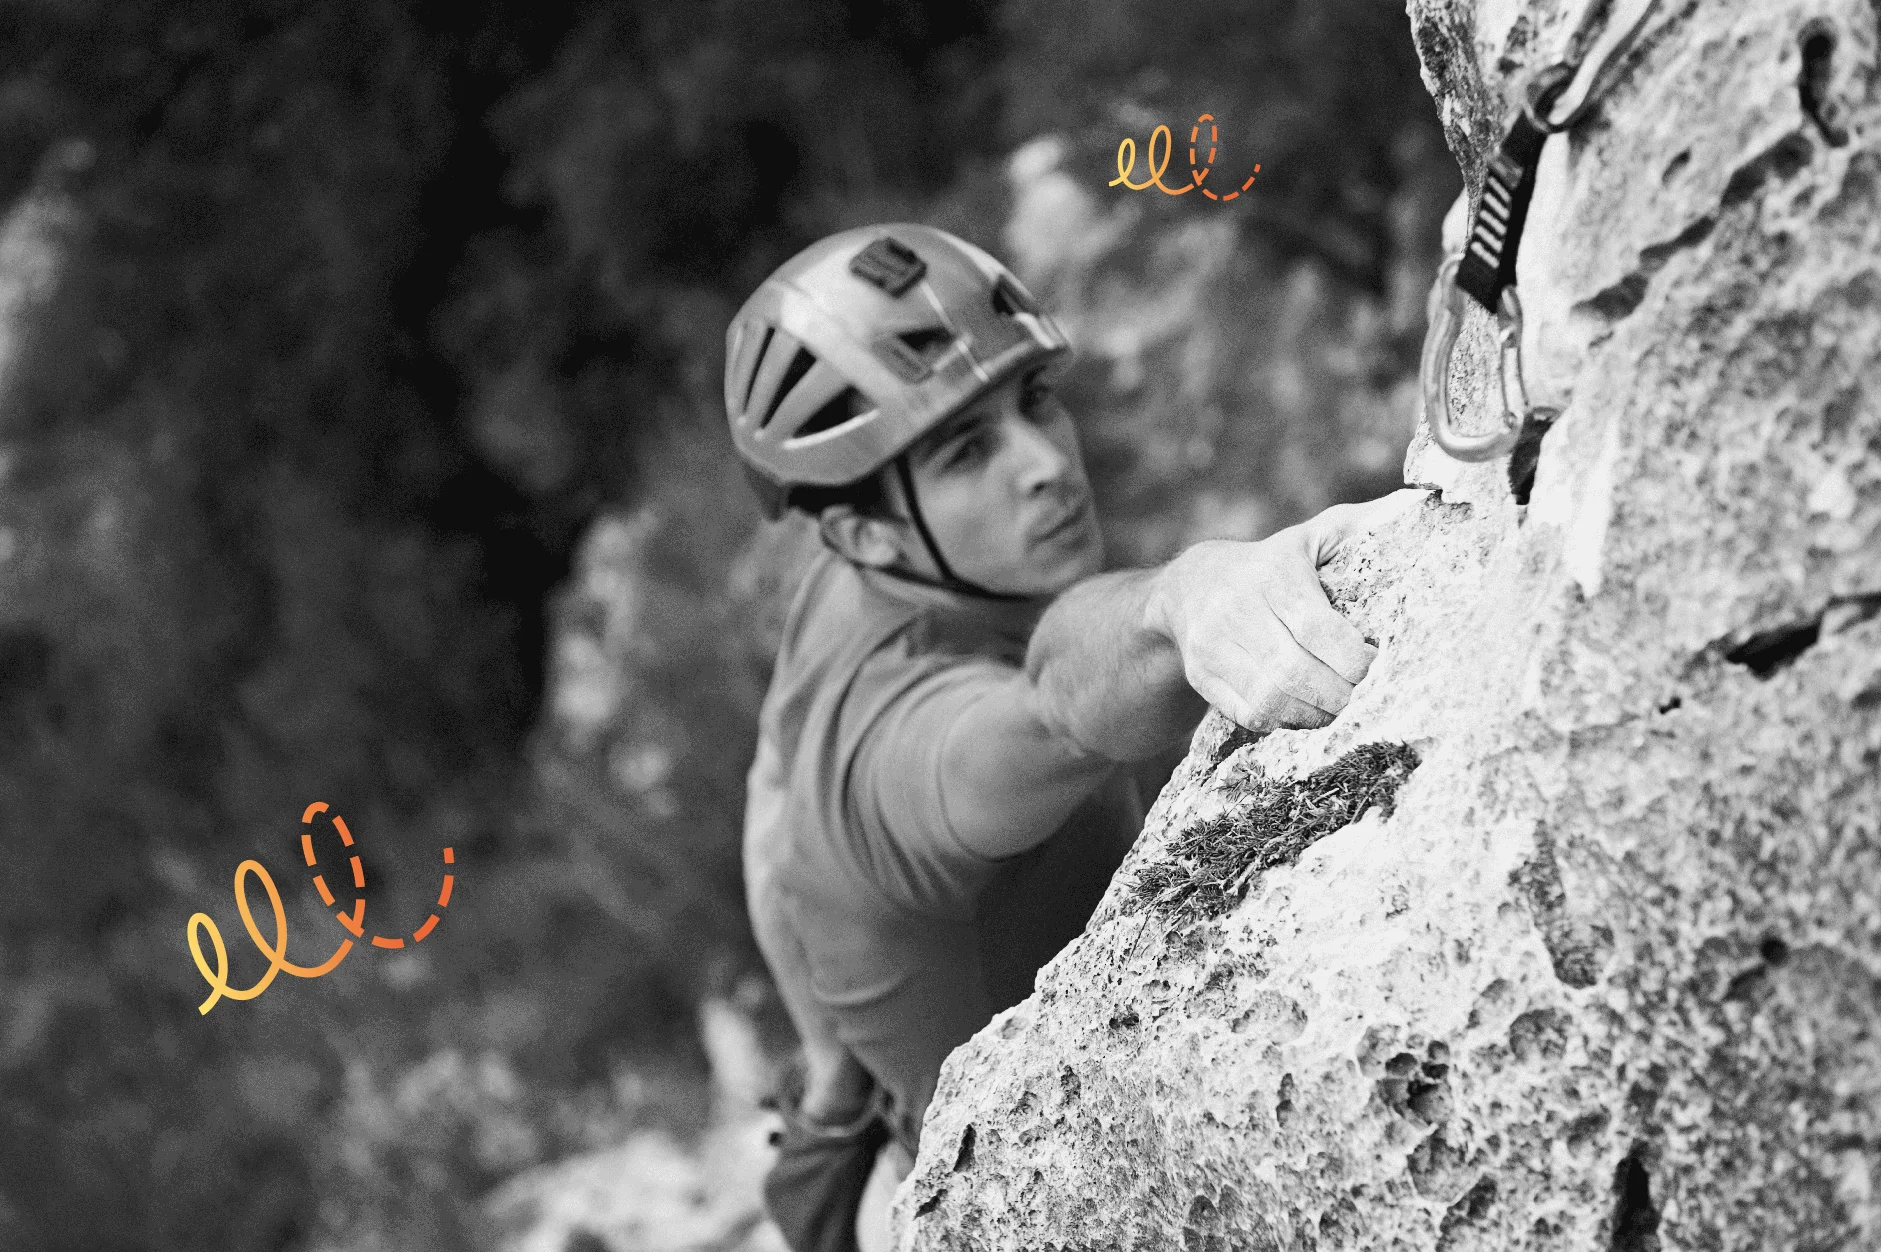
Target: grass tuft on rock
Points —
{"points": [[1212, 864]]}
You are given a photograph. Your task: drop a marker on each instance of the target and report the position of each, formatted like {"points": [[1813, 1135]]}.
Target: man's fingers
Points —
{"points": [[1325, 635], [1340, 524], [1278, 685], [1271, 709], [1289, 669]]}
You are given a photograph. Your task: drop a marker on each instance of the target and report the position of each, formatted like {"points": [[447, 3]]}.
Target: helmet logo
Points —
{"points": [[889, 264]]}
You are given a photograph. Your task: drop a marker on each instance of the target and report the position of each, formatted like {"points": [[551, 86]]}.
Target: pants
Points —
{"points": [[816, 1186]]}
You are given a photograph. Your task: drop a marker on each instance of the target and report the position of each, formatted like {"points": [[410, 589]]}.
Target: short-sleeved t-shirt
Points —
{"points": [[886, 932]]}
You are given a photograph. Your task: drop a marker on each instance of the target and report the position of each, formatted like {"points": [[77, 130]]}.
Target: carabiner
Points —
{"points": [[1509, 341], [1583, 83], [1555, 99], [1447, 302]]}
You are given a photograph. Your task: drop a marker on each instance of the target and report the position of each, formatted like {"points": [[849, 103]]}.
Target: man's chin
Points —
{"points": [[1072, 566], [1048, 568]]}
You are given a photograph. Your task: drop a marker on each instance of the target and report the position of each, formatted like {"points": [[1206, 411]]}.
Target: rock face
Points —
{"points": [[1608, 974]]}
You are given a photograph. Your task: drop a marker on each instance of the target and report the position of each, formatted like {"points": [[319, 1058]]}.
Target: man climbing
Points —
{"points": [[937, 805]]}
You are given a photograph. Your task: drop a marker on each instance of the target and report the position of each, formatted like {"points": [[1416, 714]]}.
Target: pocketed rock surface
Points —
{"points": [[1609, 975]]}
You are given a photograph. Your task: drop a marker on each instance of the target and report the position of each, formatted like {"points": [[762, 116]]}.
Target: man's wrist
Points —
{"points": [[1159, 598]]}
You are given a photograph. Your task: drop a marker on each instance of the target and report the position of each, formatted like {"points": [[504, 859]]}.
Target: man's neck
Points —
{"points": [[1019, 613]]}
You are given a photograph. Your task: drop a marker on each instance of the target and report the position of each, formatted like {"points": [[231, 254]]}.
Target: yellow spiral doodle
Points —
{"points": [[1156, 171], [276, 952]]}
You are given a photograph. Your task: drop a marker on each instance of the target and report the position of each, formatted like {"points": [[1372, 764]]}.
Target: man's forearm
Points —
{"points": [[1123, 665], [1106, 675]]}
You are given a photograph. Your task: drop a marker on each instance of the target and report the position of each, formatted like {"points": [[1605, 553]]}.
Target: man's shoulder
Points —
{"points": [[836, 620], [841, 610], [836, 638]]}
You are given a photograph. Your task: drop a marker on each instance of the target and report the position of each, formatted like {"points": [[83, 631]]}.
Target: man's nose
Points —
{"points": [[1043, 464]]}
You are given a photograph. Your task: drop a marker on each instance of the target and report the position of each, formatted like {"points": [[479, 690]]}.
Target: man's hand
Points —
{"points": [[1120, 664], [1257, 638]]}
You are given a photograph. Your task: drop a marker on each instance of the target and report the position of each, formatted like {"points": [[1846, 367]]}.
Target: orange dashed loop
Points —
{"points": [[444, 899], [1231, 195], [1195, 131], [356, 923]]}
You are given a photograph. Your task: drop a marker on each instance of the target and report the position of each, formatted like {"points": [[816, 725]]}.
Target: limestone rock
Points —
{"points": [[1609, 974]]}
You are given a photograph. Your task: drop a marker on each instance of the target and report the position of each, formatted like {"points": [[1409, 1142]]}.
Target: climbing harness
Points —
{"points": [[1555, 100]]}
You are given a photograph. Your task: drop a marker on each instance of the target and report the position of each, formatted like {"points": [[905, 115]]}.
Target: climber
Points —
{"points": [[937, 803]]}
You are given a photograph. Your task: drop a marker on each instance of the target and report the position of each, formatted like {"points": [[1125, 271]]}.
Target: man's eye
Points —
{"points": [[967, 448], [1034, 398]]}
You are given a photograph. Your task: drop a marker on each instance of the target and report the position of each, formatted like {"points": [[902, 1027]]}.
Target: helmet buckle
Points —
{"points": [[889, 264]]}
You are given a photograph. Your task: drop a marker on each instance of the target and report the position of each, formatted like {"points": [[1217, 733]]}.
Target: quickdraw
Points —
{"points": [[1555, 100]]}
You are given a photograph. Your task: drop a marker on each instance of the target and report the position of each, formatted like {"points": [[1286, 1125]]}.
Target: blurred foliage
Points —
{"points": [[1324, 94], [360, 440]]}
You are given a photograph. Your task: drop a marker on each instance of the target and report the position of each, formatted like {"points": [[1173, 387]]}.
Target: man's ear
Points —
{"points": [[870, 541]]}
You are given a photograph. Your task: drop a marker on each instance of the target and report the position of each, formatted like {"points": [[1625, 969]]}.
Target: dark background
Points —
{"points": [[360, 441]]}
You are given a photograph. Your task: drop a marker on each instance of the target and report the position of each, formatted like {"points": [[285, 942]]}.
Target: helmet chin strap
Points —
{"points": [[948, 579]]}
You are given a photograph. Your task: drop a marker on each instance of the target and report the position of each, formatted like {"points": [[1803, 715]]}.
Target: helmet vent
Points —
{"points": [[1010, 300], [848, 405], [799, 366], [930, 343], [757, 362], [890, 264]]}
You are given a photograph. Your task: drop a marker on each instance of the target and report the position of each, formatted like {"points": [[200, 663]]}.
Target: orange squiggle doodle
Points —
{"points": [[1126, 162], [276, 952]]}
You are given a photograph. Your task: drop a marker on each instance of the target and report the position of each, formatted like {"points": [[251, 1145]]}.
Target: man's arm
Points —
{"points": [[1122, 665]]}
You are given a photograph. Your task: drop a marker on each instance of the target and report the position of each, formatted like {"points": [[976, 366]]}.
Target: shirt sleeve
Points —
{"points": [[896, 789]]}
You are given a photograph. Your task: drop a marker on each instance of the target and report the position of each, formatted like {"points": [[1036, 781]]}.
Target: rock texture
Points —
{"points": [[1609, 974]]}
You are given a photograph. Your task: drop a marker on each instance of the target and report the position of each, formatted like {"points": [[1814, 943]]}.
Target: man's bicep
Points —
{"points": [[1009, 780], [969, 763]]}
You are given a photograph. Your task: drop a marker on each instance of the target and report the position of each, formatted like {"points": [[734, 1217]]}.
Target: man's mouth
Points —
{"points": [[1058, 528]]}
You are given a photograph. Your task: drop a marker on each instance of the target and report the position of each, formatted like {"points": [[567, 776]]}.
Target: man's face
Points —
{"points": [[1002, 488]]}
